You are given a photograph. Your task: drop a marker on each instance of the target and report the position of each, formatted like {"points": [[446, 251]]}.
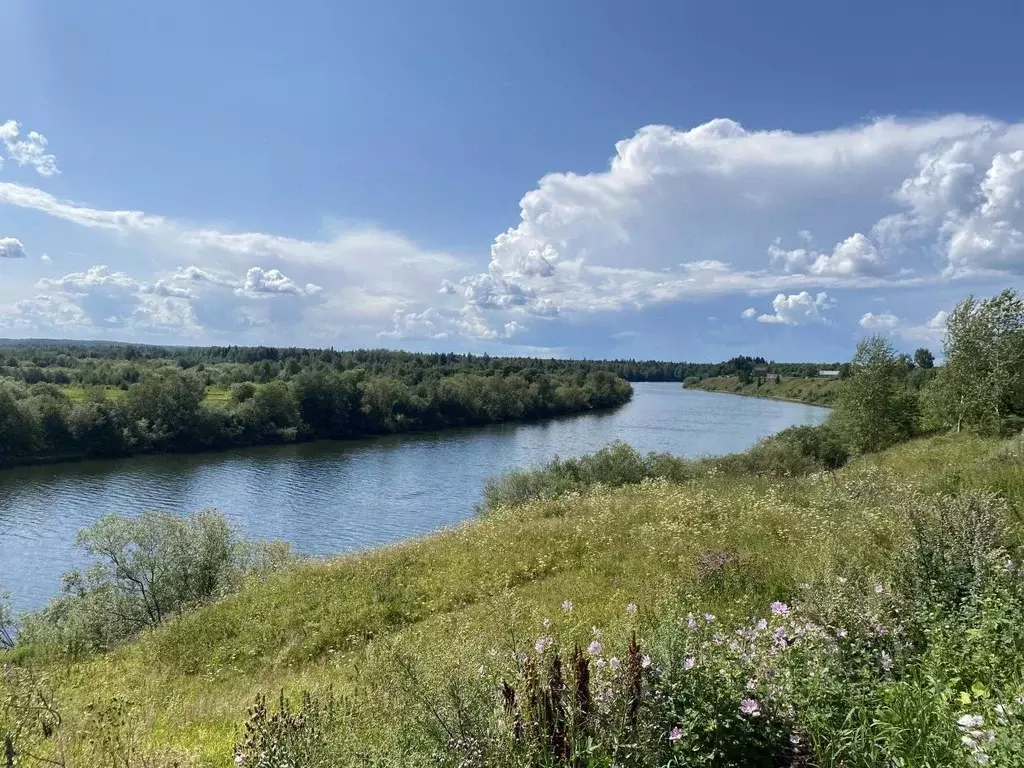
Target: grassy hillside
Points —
{"points": [[410, 636], [817, 391]]}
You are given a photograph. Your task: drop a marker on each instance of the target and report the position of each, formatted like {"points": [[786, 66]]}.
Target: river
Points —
{"points": [[328, 497]]}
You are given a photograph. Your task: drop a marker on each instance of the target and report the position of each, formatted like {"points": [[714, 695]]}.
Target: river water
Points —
{"points": [[329, 497]]}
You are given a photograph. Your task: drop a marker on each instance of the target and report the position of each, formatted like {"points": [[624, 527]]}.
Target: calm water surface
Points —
{"points": [[329, 497]]}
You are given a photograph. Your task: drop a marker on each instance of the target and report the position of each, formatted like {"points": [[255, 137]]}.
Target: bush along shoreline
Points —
{"points": [[841, 596]]}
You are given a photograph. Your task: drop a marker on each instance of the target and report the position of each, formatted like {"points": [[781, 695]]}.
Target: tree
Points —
{"points": [[147, 570], [982, 380], [874, 408], [923, 358]]}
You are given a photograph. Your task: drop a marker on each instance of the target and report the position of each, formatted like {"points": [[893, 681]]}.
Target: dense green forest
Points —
{"points": [[119, 365], [66, 401]]}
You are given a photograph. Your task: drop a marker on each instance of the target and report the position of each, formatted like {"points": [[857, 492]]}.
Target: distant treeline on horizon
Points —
{"points": [[58, 361]]}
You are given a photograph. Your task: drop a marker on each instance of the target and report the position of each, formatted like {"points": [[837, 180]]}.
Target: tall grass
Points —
{"points": [[420, 643]]}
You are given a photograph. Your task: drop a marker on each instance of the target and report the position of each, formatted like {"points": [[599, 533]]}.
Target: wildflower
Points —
{"points": [[690, 621], [886, 661], [841, 579], [981, 758], [709, 617], [689, 663], [751, 685], [594, 649], [675, 734], [780, 609], [597, 632], [750, 707], [546, 623], [567, 606], [762, 624], [841, 632], [794, 739], [645, 661], [614, 663], [971, 721], [631, 609], [879, 589], [1010, 565], [239, 758], [542, 644]]}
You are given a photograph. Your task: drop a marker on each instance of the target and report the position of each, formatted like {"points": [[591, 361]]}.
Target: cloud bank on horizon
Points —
{"points": [[778, 230]]}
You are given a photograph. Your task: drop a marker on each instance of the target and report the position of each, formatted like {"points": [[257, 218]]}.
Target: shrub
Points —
{"points": [[288, 737], [145, 571]]}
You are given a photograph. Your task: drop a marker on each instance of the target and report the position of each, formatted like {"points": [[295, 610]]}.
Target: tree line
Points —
{"points": [[168, 409], [118, 365], [885, 399]]}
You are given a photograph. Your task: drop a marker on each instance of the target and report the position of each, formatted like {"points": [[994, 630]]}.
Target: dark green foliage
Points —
{"points": [[289, 737], [145, 571], [923, 358], [794, 451], [275, 396], [876, 408]]}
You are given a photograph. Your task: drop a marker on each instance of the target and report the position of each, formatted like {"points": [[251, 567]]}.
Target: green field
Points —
{"points": [[387, 628], [817, 391], [214, 395]]}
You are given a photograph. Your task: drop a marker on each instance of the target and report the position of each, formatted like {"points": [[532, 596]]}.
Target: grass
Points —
{"points": [[449, 602], [214, 395], [817, 391]]}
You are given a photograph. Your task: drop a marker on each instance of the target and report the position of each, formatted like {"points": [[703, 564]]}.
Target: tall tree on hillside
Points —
{"points": [[874, 408], [924, 358], [982, 380]]}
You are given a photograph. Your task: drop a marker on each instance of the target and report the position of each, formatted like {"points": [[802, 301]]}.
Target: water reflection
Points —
{"points": [[334, 496]]}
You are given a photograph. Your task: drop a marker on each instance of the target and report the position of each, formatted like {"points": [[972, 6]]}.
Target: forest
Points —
{"points": [[61, 401]]}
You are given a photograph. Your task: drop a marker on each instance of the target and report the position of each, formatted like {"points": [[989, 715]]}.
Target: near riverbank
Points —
{"points": [[856, 576]]}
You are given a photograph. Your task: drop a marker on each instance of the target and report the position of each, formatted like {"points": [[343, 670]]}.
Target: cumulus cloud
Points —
{"points": [[931, 331], [30, 150], [45, 312], [11, 248], [434, 324], [678, 215], [798, 309], [271, 282], [749, 313], [885, 321], [855, 256], [428, 324]]}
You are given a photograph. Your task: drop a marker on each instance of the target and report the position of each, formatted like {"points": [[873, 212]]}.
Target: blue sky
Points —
{"points": [[659, 179]]}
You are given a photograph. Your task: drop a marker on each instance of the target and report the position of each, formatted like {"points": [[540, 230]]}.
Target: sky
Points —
{"points": [[574, 178]]}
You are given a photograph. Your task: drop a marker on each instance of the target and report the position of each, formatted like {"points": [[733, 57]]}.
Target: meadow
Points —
{"points": [[411, 643]]}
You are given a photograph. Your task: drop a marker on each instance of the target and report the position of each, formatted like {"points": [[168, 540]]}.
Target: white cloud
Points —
{"points": [[95, 277], [270, 282], [37, 200], [11, 248], [45, 312], [885, 321], [677, 216], [45, 258], [854, 256], [749, 313], [798, 309], [429, 324], [30, 150], [930, 332]]}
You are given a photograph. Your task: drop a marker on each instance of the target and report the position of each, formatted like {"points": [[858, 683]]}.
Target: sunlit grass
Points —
{"points": [[449, 600], [214, 395], [815, 390]]}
